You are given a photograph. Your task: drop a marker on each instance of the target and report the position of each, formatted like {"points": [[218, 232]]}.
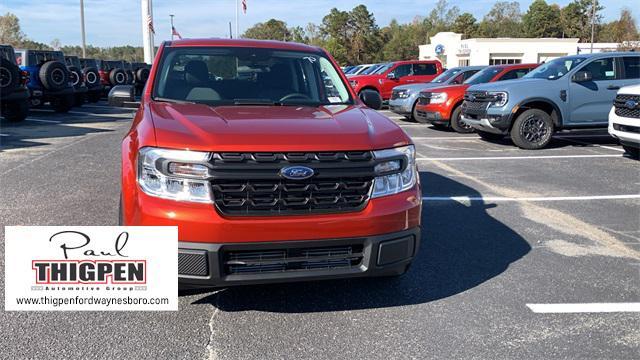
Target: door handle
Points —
{"points": [[613, 87]]}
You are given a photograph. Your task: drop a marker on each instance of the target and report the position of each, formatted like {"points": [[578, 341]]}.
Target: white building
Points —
{"points": [[449, 48]]}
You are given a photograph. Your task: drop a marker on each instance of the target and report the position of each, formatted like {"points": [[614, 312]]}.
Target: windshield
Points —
{"points": [[354, 69], [371, 69], [446, 75], [89, 63], [483, 76], [248, 76], [555, 69], [72, 61], [383, 68]]}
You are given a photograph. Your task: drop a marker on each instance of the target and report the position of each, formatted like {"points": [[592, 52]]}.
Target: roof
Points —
{"points": [[250, 43]]}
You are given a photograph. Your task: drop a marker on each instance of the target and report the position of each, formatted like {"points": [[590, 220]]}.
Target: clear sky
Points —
{"points": [[117, 22]]}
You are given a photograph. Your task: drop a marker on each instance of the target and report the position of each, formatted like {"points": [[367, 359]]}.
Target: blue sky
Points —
{"points": [[117, 22]]}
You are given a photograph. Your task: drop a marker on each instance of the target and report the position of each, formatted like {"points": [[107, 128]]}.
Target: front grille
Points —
{"points": [[478, 96], [474, 106], [626, 128], [249, 184], [293, 259], [623, 110], [424, 100], [192, 262]]}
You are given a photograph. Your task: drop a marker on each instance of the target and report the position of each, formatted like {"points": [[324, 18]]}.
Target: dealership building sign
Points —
{"points": [[91, 268]]}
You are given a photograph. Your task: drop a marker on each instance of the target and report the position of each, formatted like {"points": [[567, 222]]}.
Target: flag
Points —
{"points": [[244, 6], [175, 32], [150, 24]]}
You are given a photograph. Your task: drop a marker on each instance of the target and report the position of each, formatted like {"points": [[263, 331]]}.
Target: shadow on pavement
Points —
{"points": [[462, 247]]}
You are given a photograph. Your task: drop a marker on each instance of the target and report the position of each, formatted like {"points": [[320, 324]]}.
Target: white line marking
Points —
{"points": [[580, 136], [584, 308], [44, 121], [121, 116], [4, 134], [43, 110], [587, 143], [518, 157], [445, 138], [551, 198]]}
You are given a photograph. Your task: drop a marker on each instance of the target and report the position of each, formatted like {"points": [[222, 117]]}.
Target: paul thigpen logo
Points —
{"points": [[115, 269]]}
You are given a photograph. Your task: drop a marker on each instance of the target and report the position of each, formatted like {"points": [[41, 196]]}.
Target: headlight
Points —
{"points": [[174, 174], [403, 94], [397, 174], [500, 97], [438, 98]]}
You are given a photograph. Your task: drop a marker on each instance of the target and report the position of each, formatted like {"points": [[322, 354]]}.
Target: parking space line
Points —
{"points": [[518, 157], [4, 134], [43, 121], [445, 138], [584, 308], [537, 198], [587, 143], [116, 115]]}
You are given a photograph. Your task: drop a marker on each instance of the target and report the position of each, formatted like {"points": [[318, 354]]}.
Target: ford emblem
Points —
{"points": [[631, 104], [296, 172]]}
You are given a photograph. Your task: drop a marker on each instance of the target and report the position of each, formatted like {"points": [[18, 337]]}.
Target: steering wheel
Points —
{"points": [[294, 95]]}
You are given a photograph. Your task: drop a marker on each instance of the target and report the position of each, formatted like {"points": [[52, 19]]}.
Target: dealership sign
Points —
{"points": [[91, 268]]}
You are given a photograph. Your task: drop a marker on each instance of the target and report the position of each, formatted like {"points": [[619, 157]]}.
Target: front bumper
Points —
{"points": [[498, 123], [402, 106], [207, 265], [20, 94], [433, 117], [627, 130]]}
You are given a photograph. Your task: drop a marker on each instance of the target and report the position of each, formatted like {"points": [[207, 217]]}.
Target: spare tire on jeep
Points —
{"points": [[91, 76], [9, 77], [54, 75], [74, 75], [117, 77], [142, 75]]}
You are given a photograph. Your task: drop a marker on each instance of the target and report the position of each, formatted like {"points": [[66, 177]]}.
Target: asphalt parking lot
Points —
{"points": [[509, 237]]}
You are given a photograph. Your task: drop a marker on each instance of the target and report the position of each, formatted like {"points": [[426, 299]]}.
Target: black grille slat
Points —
{"points": [[292, 259], [193, 263], [249, 184], [621, 108]]}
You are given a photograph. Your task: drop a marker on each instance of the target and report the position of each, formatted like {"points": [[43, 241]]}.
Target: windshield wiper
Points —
{"points": [[174, 101], [253, 102]]}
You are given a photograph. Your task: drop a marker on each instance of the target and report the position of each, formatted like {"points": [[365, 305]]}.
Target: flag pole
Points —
{"points": [[171, 16], [237, 18]]}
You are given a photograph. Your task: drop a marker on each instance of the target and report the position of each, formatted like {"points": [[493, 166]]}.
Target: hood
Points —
{"points": [[273, 128], [418, 87], [630, 90], [449, 88], [503, 85]]}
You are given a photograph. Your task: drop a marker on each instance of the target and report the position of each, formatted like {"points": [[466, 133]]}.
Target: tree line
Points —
{"points": [[354, 37]]}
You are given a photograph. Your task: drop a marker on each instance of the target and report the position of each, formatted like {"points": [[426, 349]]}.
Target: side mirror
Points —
{"points": [[582, 76], [120, 94], [392, 76], [371, 98]]}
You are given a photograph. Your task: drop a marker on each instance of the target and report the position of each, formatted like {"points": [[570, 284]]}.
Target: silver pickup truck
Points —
{"points": [[565, 93]]}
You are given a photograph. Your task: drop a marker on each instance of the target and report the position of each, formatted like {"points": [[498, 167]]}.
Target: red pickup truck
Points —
{"points": [[441, 106], [270, 165], [396, 73]]}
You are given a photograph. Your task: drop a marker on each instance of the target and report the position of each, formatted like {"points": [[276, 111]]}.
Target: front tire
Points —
{"points": [[633, 152], [532, 130], [457, 124], [16, 111]]}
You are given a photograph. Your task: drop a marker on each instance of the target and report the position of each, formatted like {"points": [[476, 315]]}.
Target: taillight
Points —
{"points": [[25, 77]]}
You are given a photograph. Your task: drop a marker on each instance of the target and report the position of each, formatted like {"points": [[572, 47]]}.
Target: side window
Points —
{"points": [[19, 58], [602, 69], [468, 74], [631, 67], [458, 79], [424, 69], [402, 70], [514, 74]]}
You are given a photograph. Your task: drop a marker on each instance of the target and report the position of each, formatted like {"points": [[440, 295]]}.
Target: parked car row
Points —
{"points": [[31, 78], [527, 102]]}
